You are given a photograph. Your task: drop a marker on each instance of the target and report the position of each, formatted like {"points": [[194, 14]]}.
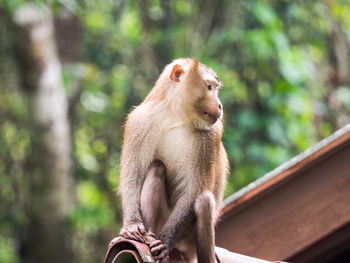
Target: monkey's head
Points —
{"points": [[195, 87]]}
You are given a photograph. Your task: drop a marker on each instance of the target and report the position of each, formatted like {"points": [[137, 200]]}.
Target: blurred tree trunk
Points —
{"points": [[49, 170]]}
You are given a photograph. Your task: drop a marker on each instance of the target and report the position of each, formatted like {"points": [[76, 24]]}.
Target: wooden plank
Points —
{"points": [[326, 249], [288, 169], [294, 215]]}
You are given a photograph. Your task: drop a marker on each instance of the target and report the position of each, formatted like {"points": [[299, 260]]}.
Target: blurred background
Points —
{"points": [[286, 72]]}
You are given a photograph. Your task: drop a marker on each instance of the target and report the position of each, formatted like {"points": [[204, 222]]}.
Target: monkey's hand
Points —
{"points": [[160, 250], [134, 231], [149, 238]]}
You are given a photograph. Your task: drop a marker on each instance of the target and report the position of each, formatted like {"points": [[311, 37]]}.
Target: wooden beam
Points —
{"points": [[300, 204]]}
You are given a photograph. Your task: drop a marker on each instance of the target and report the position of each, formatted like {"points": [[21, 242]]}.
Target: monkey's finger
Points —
{"points": [[157, 248], [131, 235], [128, 235], [136, 233], [155, 243], [141, 229], [149, 239], [124, 233], [138, 236], [151, 234]]}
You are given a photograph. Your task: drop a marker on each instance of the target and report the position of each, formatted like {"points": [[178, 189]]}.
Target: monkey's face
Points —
{"points": [[208, 106], [198, 86], [205, 85]]}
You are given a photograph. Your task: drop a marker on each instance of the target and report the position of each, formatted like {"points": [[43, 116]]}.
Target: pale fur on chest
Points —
{"points": [[173, 149], [173, 146]]}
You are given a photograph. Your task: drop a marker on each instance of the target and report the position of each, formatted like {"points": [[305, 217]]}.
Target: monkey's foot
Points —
{"points": [[134, 232], [149, 238], [159, 250]]}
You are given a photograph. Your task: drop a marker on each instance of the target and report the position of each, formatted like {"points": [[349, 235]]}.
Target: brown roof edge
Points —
{"points": [[286, 171]]}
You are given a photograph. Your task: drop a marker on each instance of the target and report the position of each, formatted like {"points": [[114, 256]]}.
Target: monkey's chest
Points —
{"points": [[174, 148]]}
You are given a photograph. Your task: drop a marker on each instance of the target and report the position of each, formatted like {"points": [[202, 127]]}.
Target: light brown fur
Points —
{"points": [[172, 126]]}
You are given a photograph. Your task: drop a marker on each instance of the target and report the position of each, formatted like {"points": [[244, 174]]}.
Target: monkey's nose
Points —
{"points": [[220, 110]]}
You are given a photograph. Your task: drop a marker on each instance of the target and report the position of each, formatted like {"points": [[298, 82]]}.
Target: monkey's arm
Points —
{"points": [[130, 189], [134, 162], [221, 170]]}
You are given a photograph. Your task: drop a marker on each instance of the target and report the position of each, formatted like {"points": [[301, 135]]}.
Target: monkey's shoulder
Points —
{"points": [[139, 119]]}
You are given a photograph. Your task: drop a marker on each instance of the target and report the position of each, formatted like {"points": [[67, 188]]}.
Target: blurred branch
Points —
{"points": [[168, 18], [74, 97], [341, 52], [204, 24], [148, 53], [68, 34]]}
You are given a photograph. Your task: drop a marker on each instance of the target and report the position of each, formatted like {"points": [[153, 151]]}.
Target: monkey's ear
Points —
{"points": [[176, 73]]}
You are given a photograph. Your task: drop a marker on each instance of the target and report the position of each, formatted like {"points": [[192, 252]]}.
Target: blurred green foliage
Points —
{"points": [[282, 93]]}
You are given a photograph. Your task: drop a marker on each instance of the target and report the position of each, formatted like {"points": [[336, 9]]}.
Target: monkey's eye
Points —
{"points": [[210, 87]]}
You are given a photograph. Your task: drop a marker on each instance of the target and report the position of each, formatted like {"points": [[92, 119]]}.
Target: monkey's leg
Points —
{"points": [[153, 197], [205, 235]]}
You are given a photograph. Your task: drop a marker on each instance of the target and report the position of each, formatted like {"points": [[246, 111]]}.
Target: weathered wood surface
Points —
{"points": [[294, 208]]}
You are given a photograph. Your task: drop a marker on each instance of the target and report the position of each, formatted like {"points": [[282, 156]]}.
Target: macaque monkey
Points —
{"points": [[174, 165]]}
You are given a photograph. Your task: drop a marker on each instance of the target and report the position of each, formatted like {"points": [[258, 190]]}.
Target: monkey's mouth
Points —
{"points": [[210, 117]]}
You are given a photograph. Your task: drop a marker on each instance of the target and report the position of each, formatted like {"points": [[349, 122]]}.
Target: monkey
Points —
{"points": [[173, 164]]}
